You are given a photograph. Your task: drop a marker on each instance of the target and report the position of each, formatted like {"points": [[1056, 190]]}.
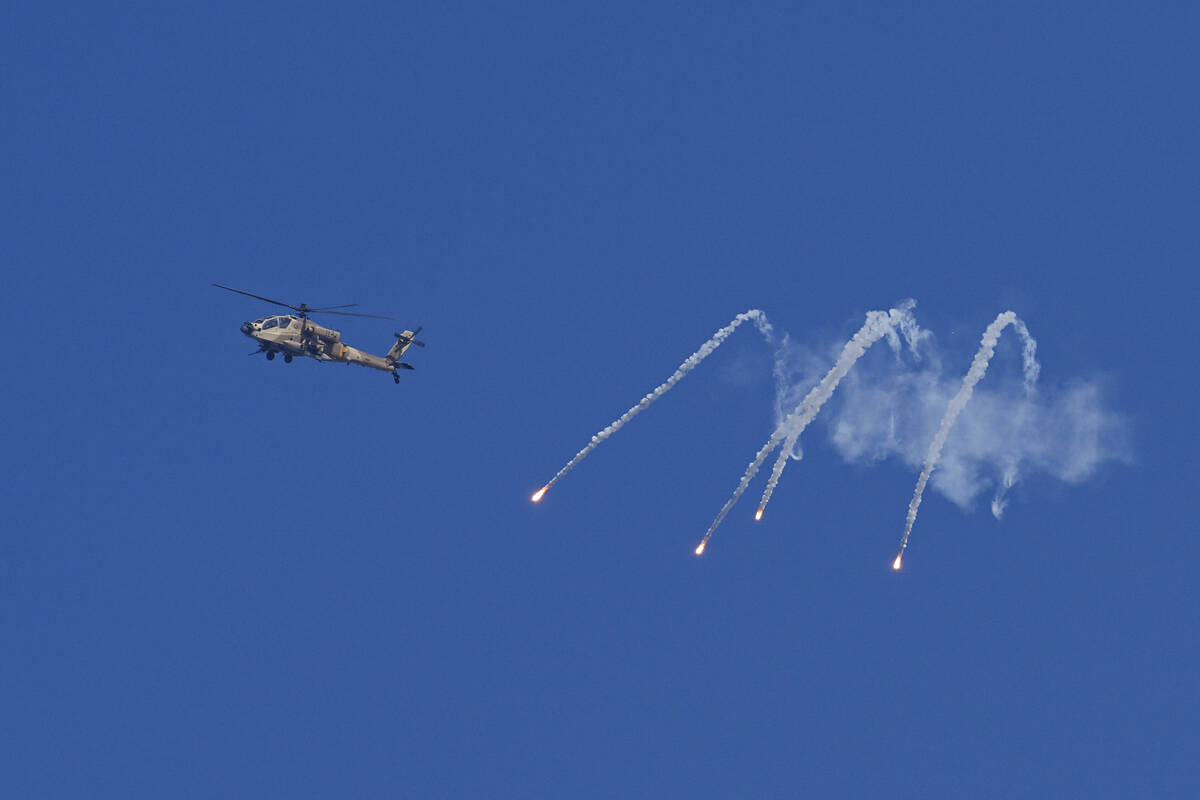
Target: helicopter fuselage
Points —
{"points": [[297, 336]]}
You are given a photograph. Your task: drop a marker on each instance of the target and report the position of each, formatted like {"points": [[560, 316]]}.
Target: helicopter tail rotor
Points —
{"points": [[409, 337], [403, 342]]}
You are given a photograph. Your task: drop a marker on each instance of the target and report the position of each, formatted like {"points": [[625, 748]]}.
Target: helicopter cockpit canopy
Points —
{"points": [[274, 322]]}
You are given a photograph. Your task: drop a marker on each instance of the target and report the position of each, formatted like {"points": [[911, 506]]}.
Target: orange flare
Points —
{"points": [[758, 515], [537, 496], [700, 549], [896, 563]]}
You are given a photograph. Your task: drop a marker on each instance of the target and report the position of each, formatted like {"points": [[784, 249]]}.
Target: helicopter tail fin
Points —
{"points": [[403, 342]]}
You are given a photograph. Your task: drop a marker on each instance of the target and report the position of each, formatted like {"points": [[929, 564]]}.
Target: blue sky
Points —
{"points": [[221, 576]]}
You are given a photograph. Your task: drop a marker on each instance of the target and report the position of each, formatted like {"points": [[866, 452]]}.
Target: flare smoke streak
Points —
{"points": [[1031, 370], [690, 363], [878, 324], [987, 347]]}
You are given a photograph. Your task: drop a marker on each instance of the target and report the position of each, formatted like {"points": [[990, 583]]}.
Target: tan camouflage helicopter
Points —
{"points": [[297, 335]]}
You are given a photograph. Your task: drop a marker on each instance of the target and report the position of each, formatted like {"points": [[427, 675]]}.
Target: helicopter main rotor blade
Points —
{"points": [[346, 313], [303, 308], [259, 297]]}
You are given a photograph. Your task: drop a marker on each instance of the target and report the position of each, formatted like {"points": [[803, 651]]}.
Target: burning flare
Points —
{"points": [[700, 548], [896, 563], [758, 515], [537, 496]]}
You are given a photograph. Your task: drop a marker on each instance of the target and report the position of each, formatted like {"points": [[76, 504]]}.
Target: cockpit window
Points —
{"points": [[285, 322], [269, 323]]}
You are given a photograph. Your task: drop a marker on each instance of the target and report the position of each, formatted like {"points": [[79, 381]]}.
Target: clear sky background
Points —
{"points": [[223, 577]]}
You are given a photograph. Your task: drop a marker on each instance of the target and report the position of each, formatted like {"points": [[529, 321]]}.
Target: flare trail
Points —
{"points": [[877, 326], [987, 347], [690, 363]]}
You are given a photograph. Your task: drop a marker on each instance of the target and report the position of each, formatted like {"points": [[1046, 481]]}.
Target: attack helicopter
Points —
{"points": [[297, 335]]}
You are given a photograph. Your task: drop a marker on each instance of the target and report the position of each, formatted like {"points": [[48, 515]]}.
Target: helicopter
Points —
{"points": [[297, 335]]}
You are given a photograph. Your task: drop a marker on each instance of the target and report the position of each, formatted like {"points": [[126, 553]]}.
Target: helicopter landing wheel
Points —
{"points": [[287, 358], [396, 378], [270, 355]]}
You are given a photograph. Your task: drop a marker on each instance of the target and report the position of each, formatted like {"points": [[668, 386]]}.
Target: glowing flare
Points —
{"points": [[537, 496], [896, 563], [700, 549], [758, 515]]}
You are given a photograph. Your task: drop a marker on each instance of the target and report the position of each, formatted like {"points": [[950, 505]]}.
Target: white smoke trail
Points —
{"points": [[1030, 364], [878, 324], [987, 347], [690, 363], [1031, 369]]}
